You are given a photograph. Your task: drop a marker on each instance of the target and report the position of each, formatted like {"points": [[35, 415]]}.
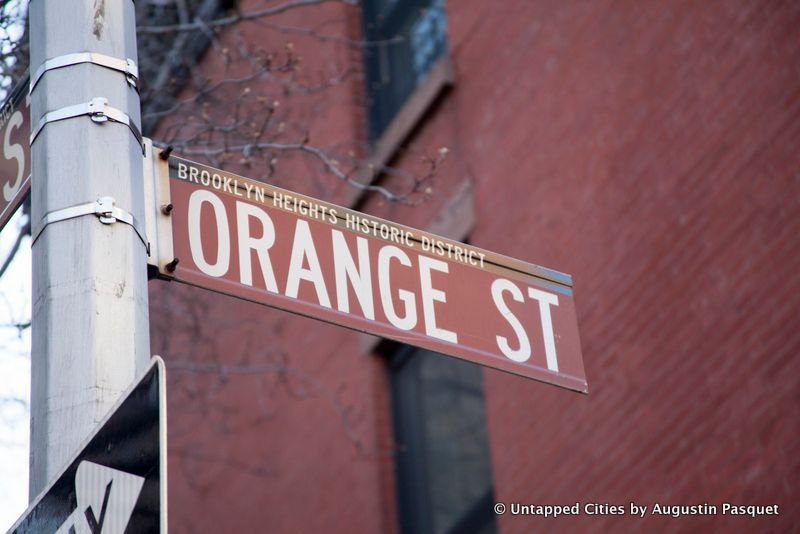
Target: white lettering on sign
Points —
{"points": [[223, 260], [409, 320], [523, 353], [545, 301], [106, 498], [387, 232], [321, 212], [255, 235], [358, 276], [303, 251], [247, 244], [453, 252], [14, 151], [429, 295], [307, 208]]}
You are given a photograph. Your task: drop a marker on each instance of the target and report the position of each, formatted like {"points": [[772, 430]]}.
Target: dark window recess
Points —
{"points": [[405, 38], [444, 482]]}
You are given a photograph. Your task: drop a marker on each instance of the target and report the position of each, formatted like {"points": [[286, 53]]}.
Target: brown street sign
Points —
{"points": [[15, 163], [268, 245]]}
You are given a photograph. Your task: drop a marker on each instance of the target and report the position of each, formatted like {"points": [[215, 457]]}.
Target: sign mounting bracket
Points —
{"points": [[97, 109], [126, 66], [105, 210]]}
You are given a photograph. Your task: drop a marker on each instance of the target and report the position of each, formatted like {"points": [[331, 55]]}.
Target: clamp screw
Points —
{"points": [[165, 154], [166, 209], [170, 267]]}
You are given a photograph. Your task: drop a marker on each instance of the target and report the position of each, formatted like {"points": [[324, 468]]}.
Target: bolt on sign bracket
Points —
{"points": [[158, 212]]}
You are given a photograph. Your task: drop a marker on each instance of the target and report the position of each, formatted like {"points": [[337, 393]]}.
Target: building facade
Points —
{"points": [[648, 149]]}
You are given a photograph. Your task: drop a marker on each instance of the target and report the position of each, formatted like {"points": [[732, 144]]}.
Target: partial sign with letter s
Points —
{"points": [[15, 163]]}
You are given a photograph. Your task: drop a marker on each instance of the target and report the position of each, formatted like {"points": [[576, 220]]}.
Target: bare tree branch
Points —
{"points": [[237, 17], [23, 233], [315, 33], [333, 166]]}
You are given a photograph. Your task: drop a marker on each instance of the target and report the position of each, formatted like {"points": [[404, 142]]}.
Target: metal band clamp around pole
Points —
{"points": [[126, 66], [99, 111], [105, 210]]}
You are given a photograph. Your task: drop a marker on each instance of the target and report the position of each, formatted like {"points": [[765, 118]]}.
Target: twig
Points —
{"points": [[236, 17]]}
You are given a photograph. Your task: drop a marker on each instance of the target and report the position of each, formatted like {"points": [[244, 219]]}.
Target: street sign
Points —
{"points": [[15, 163], [118, 480], [268, 245]]}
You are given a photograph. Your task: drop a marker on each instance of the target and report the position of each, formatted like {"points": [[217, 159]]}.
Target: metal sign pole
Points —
{"points": [[90, 310]]}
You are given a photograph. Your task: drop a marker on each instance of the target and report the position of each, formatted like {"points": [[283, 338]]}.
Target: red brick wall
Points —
{"points": [[650, 150]]}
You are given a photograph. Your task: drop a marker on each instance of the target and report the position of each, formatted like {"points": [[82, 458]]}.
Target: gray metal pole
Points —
{"points": [[90, 310]]}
